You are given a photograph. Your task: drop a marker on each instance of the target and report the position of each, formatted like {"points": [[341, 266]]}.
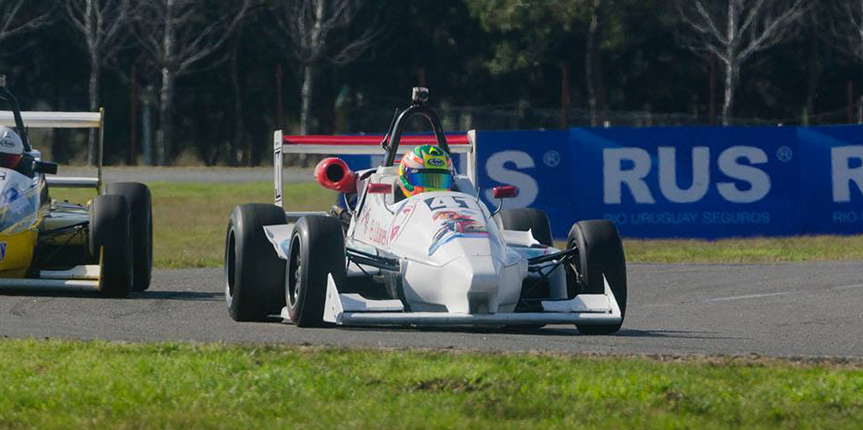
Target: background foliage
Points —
{"points": [[489, 65]]}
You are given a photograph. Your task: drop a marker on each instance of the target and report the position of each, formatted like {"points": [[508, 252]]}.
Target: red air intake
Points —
{"points": [[333, 173]]}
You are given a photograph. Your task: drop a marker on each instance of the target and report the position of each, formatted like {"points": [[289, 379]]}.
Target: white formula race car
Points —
{"points": [[433, 259]]}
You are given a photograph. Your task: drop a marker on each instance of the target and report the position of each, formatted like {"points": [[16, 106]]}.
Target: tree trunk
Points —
{"points": [[147, 128], [239, 126], [732, 67], [280, 106], [564, 96], [306, 96], [731, 71], [814, 70], [59, 136], [133, 117], [92, 145], [590, 62], [309, 66], [165, 135], [712, 108]]}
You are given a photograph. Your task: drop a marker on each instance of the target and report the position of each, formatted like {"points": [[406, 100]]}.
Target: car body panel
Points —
{"points": [[19, 220]]}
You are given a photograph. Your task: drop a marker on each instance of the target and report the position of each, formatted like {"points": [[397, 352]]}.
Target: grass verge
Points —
{"points": [[190, 221], [68, 385], [754, 250]]}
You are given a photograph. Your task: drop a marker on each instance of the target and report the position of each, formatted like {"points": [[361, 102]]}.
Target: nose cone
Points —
{"points": [[475, 285], [477, 279]]}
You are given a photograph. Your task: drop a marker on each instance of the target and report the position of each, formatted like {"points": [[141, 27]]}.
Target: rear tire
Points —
{"points": [[524, 219], [141, 223], [254, 274], [600, 253], [317, 250], [111, 243]]}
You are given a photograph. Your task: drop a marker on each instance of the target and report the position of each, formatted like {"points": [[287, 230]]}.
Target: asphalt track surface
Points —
{"points": [[783, 310]]}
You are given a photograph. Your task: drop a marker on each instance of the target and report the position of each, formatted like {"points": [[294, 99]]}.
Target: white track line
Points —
{"points": [[848, 287], [758, 296], [749, 296]]}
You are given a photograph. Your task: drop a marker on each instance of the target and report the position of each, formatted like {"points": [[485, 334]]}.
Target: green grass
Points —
{"points": [[756, 250], [67, 385], [190, 222]]}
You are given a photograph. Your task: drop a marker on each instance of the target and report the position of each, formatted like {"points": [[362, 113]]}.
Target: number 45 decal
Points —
{"points": [[435, 203]]}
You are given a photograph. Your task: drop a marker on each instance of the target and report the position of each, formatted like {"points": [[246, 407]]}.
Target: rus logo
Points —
{"points": [[630, 167], [847, 166]]}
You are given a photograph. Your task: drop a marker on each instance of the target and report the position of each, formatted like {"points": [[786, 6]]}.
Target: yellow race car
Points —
{"points": [[104, 245]]}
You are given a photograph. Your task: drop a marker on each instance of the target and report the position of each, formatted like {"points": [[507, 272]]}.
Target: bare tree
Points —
{"points": [[309, 27], [103, 24], [237, 89], [735, 30], [847, 26], [14, 23], [178, 35], [593, 66]]}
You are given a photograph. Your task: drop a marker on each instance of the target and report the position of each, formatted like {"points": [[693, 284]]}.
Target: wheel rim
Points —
{"points": [[574, 267], [230, 267], [295, 273], [576, 260]]}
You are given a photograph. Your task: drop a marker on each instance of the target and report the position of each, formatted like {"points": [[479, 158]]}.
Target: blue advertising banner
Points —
{"points": [[831, 179], [684, 182]]}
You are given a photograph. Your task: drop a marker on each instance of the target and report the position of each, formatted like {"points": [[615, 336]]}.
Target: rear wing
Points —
{"points": [[461, 143], [66, 120]]}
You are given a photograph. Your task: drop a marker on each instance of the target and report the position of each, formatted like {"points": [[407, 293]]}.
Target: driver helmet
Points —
{"points": [[425, 168], [11, 148]]}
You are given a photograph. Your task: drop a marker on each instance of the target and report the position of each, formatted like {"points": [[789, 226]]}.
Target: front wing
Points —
{"points": [[354, 310], [79, 278]]}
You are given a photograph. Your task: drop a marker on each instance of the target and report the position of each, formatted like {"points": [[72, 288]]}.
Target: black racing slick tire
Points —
{"points": [[254, 273], [524, 219], [317, 250], [110, 242], [600, 253], [141, 222]]}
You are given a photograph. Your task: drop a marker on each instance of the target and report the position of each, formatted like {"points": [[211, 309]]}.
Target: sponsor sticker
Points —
{"points": [[7, 143], [401, 219], [2, 251], [435, 162], [454, 224]]}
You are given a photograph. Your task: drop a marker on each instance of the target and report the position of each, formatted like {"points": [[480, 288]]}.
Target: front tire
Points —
{"points": [[317, 250], [600, 253], [525, 219], [141, 223], [111, 243], [536, 222], [254, 274]]}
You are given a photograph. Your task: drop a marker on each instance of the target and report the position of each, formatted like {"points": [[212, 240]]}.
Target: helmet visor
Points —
{"points": [[430, 178]]}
